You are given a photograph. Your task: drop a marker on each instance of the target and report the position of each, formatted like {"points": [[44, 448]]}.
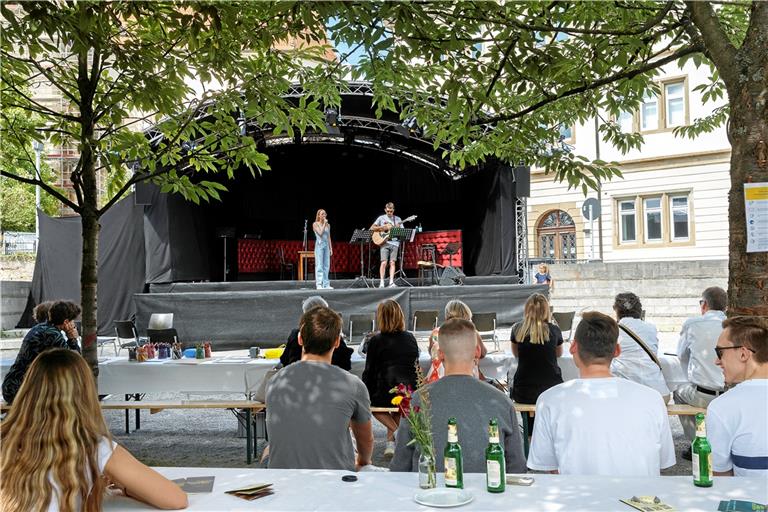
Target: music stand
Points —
{"points": [[403, 235], [361, 236]]}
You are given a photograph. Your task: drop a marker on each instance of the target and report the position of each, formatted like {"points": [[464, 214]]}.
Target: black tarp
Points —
{"points": [[240, 319], [120, 263]]}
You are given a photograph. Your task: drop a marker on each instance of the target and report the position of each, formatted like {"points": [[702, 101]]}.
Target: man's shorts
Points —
{"points": [[389, 252]]}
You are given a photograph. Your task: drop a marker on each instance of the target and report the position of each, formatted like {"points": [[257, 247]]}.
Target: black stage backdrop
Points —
{"points": [[352, 183], [172, 240]]}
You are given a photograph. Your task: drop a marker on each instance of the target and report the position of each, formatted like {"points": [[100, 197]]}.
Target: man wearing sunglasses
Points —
{"points": [[736, 420], [697, 357]]}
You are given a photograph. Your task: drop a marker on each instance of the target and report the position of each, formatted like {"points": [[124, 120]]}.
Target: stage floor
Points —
{"points": [[235, 315]]}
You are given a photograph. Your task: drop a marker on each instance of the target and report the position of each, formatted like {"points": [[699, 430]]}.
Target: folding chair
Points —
{"points": [[485, 323], [423, 323], [359, 326], [284, 265], [565, 322], [125, 335]]}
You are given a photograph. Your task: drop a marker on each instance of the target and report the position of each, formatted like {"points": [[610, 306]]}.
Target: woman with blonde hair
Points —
{"points": [[453, 309], [323, 250], [56, 447], [536, 343], [390, 360]]}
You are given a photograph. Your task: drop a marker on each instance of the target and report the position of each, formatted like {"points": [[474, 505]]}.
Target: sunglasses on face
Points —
{"points": [[719, 350]]}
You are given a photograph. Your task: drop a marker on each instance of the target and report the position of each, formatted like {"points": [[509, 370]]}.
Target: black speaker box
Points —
{"points": [[522, 175], [451, 276]]}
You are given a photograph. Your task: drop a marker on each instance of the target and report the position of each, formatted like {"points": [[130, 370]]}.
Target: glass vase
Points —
{"points": [[427, 471]]}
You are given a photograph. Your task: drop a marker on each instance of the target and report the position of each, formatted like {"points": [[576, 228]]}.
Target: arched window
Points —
{"points": [[556, 234]]}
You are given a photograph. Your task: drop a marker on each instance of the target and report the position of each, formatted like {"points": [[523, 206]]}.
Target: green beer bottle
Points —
{"points": [[701, 455], [454, 472], [495, 471]]}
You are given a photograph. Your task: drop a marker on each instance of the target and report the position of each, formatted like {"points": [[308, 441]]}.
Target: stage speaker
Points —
{"points": [[451, 276], [522, 174]]}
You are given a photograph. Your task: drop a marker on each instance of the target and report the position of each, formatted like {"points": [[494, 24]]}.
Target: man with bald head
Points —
{"points": [[461, 395]]}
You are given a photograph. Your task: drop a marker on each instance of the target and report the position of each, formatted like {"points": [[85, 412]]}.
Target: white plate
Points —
{"points": [[443, 497]]}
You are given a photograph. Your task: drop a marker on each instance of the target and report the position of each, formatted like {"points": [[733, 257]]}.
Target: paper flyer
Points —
{"points": [[756, 210]]}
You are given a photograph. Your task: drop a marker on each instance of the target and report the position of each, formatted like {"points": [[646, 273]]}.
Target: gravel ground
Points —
{"points": [[209, 437]]}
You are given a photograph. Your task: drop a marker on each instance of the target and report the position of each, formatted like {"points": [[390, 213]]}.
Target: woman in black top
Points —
{"points": [[536, 343], [390, 360]]}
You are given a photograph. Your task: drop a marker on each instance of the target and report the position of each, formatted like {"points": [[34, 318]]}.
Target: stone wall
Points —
{"points": [[669, 291], [13, 296]]}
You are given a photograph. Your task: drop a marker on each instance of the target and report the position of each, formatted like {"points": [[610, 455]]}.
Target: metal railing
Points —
{"points": [[16, 242]]}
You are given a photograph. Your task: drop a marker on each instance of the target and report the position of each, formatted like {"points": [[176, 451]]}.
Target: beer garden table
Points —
{"points": [[241, 374], [322, 490]]}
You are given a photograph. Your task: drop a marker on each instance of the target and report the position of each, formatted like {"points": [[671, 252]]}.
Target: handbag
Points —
{"points": [[642, 344]]}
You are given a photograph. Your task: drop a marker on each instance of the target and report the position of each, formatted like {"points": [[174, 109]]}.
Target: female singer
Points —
{"points": [[323, 250]]}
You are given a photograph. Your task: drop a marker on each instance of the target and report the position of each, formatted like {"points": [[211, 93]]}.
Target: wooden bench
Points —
{"points": [[247, 406]]}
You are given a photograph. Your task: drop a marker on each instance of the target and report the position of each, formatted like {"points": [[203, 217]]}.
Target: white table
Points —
{"points": [[225, 374], [240, 374], [324, 490]]}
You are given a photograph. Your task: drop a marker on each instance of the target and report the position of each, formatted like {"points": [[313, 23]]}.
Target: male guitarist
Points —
{"points": [[389, 249]]}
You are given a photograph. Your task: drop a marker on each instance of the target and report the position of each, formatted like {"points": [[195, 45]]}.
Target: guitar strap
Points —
{"points": [[642, 344]]}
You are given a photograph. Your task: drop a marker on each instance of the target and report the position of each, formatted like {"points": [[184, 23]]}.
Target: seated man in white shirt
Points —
{"points": [[736, 420], [696, 350], [600, 424]]}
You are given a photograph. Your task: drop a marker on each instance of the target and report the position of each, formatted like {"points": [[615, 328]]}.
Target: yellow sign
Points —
{"points": [[756, 193]]}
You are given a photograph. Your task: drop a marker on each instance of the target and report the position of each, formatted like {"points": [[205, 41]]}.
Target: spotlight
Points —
{"points": [[332, 120], [297, 137], [349, 137], [331, 117], [409, 128], [385, 140]]}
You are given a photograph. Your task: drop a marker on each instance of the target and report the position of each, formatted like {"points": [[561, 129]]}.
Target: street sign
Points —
{"points": [[590, 209]]}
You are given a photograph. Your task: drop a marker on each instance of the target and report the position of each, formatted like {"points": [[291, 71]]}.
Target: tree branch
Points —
{"points": [[31, 181], [627, 74], [719, 49]]}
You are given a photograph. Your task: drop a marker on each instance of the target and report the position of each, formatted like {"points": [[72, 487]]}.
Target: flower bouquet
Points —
{"points": [[420, 422]]}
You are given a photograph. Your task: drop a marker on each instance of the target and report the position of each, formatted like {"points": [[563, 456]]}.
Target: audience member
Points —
{"points": [[635, 363], [391, 358], [736, 419], [696, 350], [600, 424], [43, 336], [56, 447], [543, 276], [342, 356], [40, 312], [536, 343], [472, 402], [311, 404], [453, 309]]}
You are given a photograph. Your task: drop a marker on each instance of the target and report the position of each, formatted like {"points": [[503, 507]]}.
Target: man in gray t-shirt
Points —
{"points": [[461, 395], [384, 223], [312, 405]]}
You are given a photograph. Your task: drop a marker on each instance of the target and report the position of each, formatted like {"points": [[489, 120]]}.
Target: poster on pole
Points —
{"points": [[756, 210]]}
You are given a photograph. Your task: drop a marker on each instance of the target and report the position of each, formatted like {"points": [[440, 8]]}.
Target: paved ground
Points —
{"points": [[208, 438]]}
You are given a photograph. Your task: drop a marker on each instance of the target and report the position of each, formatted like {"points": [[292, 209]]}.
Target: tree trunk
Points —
{"points": [[88, 284], [748, 134]]}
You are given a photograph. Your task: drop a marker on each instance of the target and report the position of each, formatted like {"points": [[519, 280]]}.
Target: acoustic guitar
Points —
{"points": [[380, 237]]}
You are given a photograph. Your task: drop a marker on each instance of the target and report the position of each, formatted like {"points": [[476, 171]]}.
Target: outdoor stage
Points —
{"points": [[236, 315]]}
